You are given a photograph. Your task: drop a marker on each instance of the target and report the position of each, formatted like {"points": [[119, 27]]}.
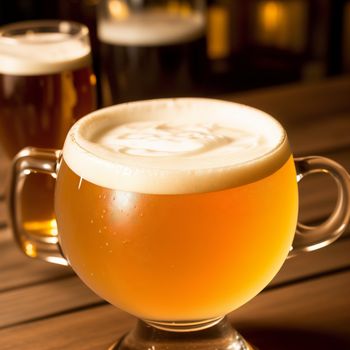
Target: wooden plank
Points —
{"points": [[44, 300], [300, 102], [95, 328], [17, 270], [284, 338], [325, 134], [319, 305], [331, 258]]}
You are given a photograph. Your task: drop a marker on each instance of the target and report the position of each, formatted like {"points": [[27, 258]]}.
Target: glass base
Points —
{"points": [[219, 335]]}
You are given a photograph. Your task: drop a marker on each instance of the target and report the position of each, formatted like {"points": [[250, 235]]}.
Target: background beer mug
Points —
{"points": [[46, 84], [178, 212], [150, 49]]}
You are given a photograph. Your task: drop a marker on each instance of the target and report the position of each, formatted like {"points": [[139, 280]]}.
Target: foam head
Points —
{"points": [[176, 146], [33, 52], [151, 29]]}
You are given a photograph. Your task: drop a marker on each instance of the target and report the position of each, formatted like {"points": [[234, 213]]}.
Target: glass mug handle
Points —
{"points": [[307, 238], [33, 160]]}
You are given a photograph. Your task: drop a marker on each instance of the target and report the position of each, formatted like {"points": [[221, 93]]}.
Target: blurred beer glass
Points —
{"points": [[46, 84], [151, 48]]}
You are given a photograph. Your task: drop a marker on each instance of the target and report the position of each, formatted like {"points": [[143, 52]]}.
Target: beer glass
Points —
{"points": [[179, 211], [46, 84], [150, 49]]}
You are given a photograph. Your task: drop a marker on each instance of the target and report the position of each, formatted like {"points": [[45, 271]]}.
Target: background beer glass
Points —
{"points": [[180, 211], [46, 84], [150, 49]]}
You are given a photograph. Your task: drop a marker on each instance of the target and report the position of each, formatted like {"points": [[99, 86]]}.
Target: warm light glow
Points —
{"points": [[118, 9], [42, 228], [173, 6], [218, 38], [92, 79], [29, 249], [185, 10], [179, 8], [282, 24], [272, 14]]}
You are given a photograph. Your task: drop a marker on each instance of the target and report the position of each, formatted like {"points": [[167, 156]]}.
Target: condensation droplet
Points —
{"points": [[91, 221], [99, 231], [104, 211], [105, 227], [99, 196], [107, 244]]}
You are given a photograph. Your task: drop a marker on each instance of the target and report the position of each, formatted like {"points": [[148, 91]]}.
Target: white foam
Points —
{"points": [[42, 53], [151, 28], [175, 146]]}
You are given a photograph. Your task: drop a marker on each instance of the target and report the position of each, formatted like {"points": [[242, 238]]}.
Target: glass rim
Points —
{"points": [[74, 29], [81, 157]]}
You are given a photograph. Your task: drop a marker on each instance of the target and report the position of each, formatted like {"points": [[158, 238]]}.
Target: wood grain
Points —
{"points": [[319, 305], [68, 293], [334, 257], [323, 135], [95, 328], [43, 300], [17, 270], [299, 102]]}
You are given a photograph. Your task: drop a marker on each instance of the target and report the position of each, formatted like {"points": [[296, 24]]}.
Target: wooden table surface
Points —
{"points": [[307, 305]]}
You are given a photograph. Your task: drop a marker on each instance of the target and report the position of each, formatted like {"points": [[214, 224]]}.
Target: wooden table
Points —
{"points": [[307, 305]]}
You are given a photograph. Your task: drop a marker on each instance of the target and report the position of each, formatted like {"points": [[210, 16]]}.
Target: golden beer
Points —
{"points": [[176, 210], [46, 84]]}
